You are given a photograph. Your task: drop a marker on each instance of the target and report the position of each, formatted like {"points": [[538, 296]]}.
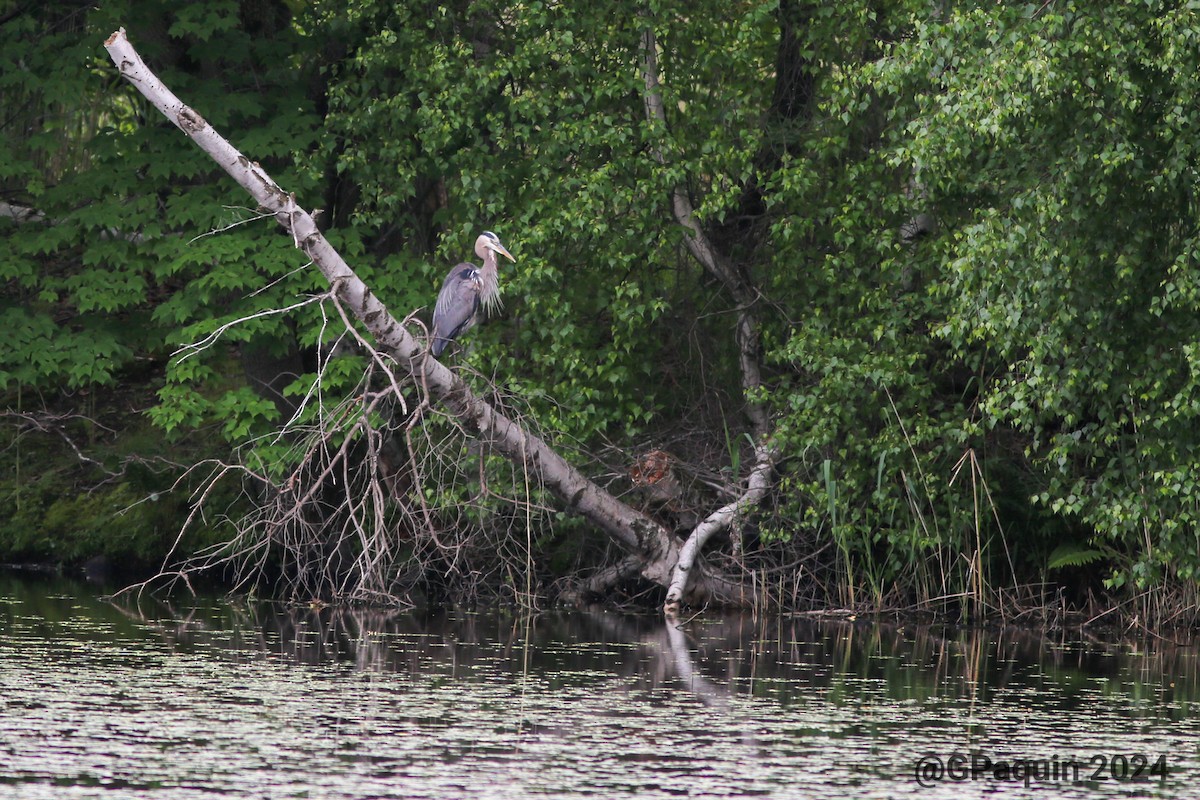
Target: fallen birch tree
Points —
{"points": [[652, 552]]}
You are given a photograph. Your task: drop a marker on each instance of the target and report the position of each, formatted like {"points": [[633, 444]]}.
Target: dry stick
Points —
{"points": [[633, 531]]}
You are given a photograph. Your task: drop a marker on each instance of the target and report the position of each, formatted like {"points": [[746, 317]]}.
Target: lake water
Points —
{"points": [[207, 698]]}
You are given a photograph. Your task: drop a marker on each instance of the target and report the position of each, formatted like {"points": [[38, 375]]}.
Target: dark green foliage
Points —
{"points": [[529, 123], [56, 507], [112, 273], [949, 411], [1054, 143]]}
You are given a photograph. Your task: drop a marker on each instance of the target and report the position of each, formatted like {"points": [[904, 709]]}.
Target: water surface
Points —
{"points": [[209, 698]]}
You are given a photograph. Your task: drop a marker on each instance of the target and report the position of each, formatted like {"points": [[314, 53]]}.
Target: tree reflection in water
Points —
{"points": [[715, 657], [212, 694]]}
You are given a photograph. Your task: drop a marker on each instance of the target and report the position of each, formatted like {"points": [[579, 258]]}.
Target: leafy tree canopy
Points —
{"points": [[953, 410]]}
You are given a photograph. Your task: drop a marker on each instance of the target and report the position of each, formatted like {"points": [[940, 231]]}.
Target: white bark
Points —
{"points": [[634, 532], [724, 518], [20, 214]]}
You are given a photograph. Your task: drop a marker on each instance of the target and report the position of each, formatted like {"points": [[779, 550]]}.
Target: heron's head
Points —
{"points": [[490, 241]]}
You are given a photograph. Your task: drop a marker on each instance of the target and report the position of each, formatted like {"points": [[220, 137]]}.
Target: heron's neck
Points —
{"points": [[489, 278]]}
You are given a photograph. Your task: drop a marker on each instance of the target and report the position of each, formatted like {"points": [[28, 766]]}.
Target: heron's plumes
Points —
{"points": [[467, 291], [489, 289]]}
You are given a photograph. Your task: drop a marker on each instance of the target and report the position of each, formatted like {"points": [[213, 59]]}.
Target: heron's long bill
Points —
{"points": [[499, 248]]}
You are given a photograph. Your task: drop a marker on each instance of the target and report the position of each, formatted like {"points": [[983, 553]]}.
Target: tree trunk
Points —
{"points": [[685, 585]]}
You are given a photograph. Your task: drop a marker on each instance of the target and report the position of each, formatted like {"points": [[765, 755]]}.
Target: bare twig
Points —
{"points": [[189, 350], [55, 425]]}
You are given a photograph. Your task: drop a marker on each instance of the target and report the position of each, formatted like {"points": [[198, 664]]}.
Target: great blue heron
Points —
{"points": [[467, 290]]}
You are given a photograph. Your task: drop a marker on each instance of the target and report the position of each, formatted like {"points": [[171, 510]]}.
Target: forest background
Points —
{"points": [[968, 234]]}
